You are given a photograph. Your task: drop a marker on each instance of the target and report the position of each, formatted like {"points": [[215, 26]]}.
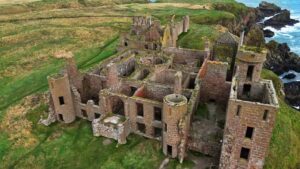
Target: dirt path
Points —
{"points": [[6, 2]]}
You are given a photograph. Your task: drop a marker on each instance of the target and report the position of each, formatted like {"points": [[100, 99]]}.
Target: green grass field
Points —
{"points": [[31, 34]]}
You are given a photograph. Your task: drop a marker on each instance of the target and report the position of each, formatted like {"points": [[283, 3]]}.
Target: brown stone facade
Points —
{"points": [[251, 114], [154, 89]]}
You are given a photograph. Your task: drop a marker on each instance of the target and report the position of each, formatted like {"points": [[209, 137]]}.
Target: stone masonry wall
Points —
{"points": [[174, 110], [60, 90], [213, 82], [250, 115], [118, 132]]}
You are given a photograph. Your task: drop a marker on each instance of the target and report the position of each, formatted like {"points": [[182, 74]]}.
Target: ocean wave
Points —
{"points": [[286, 29], [295, 49]]}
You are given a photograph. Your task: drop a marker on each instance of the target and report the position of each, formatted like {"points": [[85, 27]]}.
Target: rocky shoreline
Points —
{"points": [[280, 59]]}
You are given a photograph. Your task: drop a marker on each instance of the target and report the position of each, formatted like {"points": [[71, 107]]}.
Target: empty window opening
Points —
{"points": [[95, 99], [266, 115], [61, 117], [141, 127], [238, 111], [140, 109], [212, 101], [117, 106], [97, 115], [245, 153], [146, 46], [84, 114], [157, 114], [132, 90], [157, 132], [247, 90], [249, 132], [250, 72], [169, 149], [192, 83], [61, 100], [125, 43], [155, 46], [165, 127]]}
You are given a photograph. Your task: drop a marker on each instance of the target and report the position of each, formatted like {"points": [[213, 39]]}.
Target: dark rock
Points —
{"points": [[280, 59], [292, 93], [268, 9], [289, 76], [268, 33], [281, 20]]}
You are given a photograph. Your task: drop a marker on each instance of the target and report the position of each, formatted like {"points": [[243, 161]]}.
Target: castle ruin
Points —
{"points": [[154, 89]]}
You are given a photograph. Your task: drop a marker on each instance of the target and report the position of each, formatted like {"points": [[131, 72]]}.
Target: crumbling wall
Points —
{"points": [[173, 30], [148, 116], [118, 132], [127, 67], [89, 111], [185, 56], [92, 84], [60, 90], [213, 82], [157, 92], [256, 94]]}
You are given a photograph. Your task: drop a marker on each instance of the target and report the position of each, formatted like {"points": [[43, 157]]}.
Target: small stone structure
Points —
{"points": [[112, 126], [154, 89]]}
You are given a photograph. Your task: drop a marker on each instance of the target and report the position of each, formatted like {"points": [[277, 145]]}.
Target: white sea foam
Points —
{"points": [[296, 79], [297, 107]]}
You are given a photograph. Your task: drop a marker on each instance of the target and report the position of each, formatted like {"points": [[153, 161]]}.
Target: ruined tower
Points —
{"points": [[249, 64], [61, 94], [251, 115], [174, 109]]}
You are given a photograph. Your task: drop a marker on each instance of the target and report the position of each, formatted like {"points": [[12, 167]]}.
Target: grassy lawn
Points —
{"points": [[31, 34]]}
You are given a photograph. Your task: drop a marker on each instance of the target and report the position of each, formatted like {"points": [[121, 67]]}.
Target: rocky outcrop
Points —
{"points": [[268, 9], [292, 93], [268, 33], [289, 76], [281, 20], [280, 59]]}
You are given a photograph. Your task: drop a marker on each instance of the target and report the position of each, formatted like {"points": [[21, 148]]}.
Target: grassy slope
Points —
{"points": [[285, 143], [27, 49]]}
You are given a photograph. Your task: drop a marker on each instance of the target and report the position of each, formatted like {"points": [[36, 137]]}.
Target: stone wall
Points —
{"points": [[246, 59], [147, 118], [184, 56], [92, 84], [89, 111], [118, 132], [240, 115], [213, 82], [174, 111]]}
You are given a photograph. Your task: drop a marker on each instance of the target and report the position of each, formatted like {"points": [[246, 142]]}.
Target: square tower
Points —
{"points": [[251, 114]]}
